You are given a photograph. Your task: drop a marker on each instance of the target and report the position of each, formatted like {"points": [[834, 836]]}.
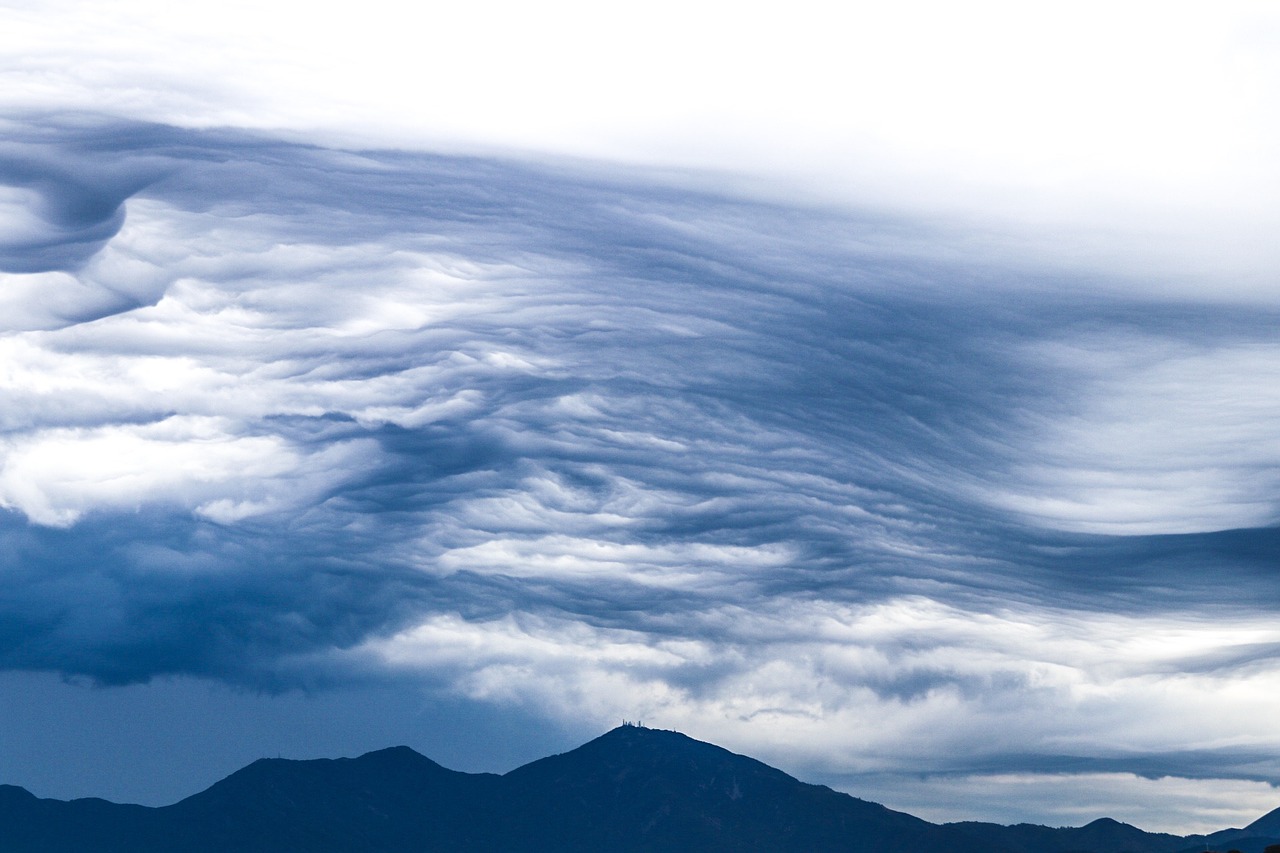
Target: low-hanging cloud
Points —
{"points": [[593, 444]]}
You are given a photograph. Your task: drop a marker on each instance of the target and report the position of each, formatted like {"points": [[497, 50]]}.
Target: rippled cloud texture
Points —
{"points": [[833, 489]]}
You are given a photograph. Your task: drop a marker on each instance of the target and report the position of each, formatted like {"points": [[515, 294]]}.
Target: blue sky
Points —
{"points": [[890, 396]]}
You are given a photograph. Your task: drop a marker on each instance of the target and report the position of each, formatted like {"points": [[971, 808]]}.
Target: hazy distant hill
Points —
{"points": [[632, 789]]}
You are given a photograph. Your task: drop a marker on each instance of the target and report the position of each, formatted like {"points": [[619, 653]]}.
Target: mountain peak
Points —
{"points": [[634, 733], [393, 753], [14, 793], [631, 749], [1268, 824]]}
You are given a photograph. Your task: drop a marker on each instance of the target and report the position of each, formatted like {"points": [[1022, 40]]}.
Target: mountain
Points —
{"points": [[632, 790], [1254, 838], [647, 790], [1102, 835], [1268, 824]]}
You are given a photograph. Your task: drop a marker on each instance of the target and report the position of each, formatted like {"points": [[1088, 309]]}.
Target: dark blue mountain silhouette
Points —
{"points": [[632, 790]]}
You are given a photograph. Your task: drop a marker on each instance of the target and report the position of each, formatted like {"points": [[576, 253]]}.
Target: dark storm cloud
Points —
{"points": [[123, 603], [475, 421], [1256, 765]]}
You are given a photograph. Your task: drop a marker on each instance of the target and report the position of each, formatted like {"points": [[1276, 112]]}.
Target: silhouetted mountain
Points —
{"points": [[1254, 838], [1102, 836], [1268, 824], [632, 790], [392, 799], [641, 789]]}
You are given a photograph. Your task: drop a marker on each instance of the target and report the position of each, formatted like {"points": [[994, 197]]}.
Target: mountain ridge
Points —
{"points": [[630, 789]]}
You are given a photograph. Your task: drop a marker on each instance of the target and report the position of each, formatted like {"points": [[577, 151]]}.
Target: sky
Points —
{"points": [[887, 394]]}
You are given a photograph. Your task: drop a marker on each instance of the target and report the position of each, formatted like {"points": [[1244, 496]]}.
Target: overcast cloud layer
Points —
{"points": [[846, 491]]}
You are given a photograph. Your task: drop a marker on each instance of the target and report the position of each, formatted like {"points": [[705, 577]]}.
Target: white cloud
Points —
{"points": [[211, 325], [563, 557], [909, 686], [1159, 437], [1172, 804], [54, 476], [19, 220]]}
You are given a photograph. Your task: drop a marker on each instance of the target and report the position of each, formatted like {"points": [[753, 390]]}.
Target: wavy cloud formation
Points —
{"points": [[596, 445]]}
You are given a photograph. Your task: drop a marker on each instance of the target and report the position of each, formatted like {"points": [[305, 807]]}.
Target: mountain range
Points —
{"points": [[631, 789]]}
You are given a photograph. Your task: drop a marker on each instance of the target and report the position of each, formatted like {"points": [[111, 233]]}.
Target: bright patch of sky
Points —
{"points": [[1156, 119]]}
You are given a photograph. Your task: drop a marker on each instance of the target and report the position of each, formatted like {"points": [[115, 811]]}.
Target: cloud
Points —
{"points": [[593, 444], [909, 683], [1208, 406], [200, 463], [1178, 805], [1144, 136], [57, 214]]}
